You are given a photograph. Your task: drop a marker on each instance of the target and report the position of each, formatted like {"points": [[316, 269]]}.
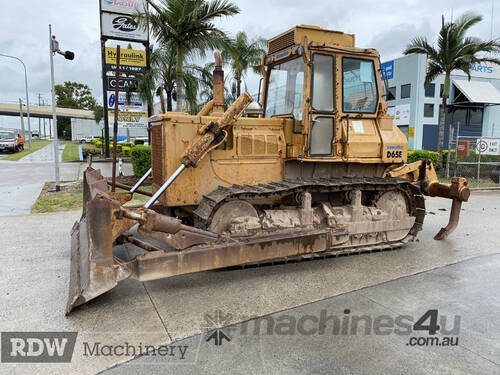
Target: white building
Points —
{"points": [[474, 104]]}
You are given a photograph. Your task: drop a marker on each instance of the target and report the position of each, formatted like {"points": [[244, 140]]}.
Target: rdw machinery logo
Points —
{"points": [[38, 347]]}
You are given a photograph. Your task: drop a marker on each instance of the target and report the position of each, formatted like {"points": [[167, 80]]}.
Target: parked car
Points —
{"points": [[8, 141], [86, 139]]}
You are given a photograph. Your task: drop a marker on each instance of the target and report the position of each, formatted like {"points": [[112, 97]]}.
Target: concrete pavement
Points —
{"points": [[35, 272], [260, 346], [21, 182], [45, 154]]}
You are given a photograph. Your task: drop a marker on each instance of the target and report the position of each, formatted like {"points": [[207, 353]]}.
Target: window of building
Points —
{"points": [[464, 116], [428, 110], [405, 91], [429, 90], [359, 85], [475, 116], [441, 88], [392, 93]]}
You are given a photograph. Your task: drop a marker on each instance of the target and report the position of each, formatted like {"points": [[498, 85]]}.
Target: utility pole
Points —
{"points": [[39, 120], [22, 119], [27, 97]]}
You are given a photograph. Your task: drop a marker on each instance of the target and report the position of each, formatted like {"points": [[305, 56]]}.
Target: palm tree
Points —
{"points": [[454, 51], [161, 78], [187, 27], [241, 54]]}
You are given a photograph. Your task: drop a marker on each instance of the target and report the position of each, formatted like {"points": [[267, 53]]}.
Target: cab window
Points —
{"points": [[285, 89], [359, 86], [322, 97]]}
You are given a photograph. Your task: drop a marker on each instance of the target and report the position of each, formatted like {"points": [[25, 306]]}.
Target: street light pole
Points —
{"points": [[27, 97], [54, 114], [68, 55]]}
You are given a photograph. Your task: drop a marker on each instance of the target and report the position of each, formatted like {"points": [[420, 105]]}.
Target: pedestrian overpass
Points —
{"points": [[38, 111]]}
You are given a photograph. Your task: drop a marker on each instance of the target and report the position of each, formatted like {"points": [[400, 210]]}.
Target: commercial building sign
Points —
{"points": [[129, 119], [124, 83], [121, 26], [122, 6], [389, 69], [132, 113], [483, 70], [133, 104], [131, 60]]}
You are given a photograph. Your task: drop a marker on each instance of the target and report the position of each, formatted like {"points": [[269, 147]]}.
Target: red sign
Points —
{"points": [[463, 148]]}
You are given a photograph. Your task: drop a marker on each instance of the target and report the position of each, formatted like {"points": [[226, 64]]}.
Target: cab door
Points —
{"points": [[322, 122], [360, 97]]}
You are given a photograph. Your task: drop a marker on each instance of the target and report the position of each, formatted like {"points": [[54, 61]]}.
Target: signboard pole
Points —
{"points": [[115, 125], [450, 141], [150, 110], [479, 161], [456, 150], [105, 99]]}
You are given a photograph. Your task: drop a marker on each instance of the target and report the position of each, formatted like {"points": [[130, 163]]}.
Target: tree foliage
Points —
{"points": [[242, 54], [453, 51], [74, 95], [187, 27]]}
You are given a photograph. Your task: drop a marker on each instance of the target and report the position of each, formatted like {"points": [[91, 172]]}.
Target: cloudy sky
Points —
{"points": [[386, 25]]}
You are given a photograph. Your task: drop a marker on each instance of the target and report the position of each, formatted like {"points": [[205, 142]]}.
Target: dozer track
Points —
{"points": [[276, 190]]}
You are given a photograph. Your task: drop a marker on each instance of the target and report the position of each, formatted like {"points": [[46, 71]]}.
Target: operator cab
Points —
{"points": [[330, 89]]}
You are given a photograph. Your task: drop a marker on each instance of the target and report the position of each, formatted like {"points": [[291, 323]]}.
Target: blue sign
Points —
{"points": [[389, 69], [111, 100]]}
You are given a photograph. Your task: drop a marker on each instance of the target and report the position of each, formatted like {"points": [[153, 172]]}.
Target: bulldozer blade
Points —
{"points": [[452, 223], [94, 269]]}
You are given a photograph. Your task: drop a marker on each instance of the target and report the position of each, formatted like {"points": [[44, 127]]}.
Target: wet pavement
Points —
{"points": [[22, 181], [294, 341], [457, 276]]}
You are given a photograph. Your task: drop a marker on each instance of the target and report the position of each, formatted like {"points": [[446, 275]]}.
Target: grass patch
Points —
{"points": [[36, 144], [70, 152], [472, 184], [70, 198]]}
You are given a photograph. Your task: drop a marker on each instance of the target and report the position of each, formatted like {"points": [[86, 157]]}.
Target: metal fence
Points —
{"points": [[475, 157]]}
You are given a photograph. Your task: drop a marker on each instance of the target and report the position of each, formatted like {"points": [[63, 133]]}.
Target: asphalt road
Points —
{"points": [[34, 278]]}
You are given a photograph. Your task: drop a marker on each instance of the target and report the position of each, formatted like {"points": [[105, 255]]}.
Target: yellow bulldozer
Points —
{"points": [[318, 169]]}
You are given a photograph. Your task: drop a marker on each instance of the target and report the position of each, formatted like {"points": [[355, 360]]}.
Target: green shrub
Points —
{"points": [[90, 150], [126, 150], [140, 157], [138, 141], [445, 157], [97, 144], [128, 144], [118, 147], [94, 141], [417, 155]]}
